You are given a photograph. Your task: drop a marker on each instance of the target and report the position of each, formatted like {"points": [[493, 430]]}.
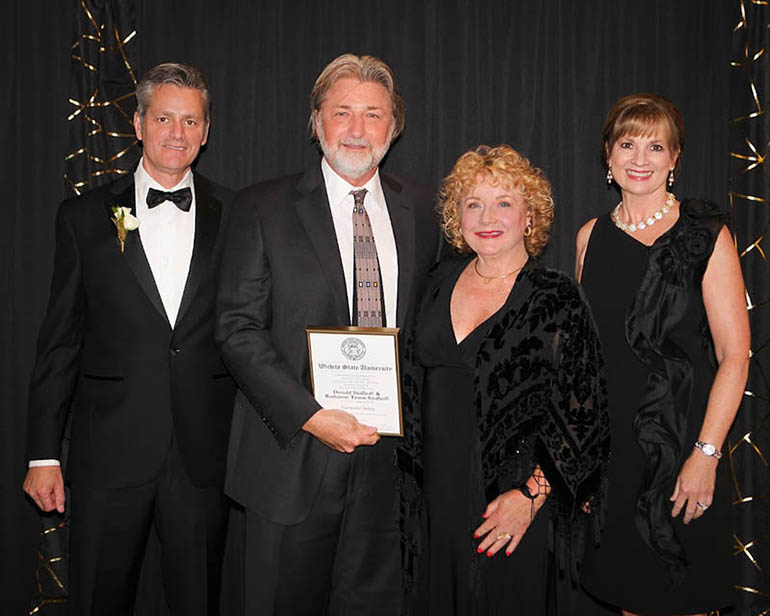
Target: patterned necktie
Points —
{"points": [[368, 291]]}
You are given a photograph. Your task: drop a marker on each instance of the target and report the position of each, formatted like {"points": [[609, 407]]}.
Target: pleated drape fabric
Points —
{"points": [[537, 75]]}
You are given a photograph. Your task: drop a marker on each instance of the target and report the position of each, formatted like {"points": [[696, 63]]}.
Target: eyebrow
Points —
{"points": [[184, 114], [368, 107], [651, 138], [499, 196]]}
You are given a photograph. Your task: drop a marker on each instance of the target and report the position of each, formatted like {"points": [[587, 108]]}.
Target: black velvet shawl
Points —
{"points": [[540, 399]]}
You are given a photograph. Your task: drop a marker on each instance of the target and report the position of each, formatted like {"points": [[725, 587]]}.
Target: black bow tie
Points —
{"points": [[182, 198]]}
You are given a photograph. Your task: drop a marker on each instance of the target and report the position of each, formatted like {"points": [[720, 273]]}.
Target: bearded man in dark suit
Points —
{"points": [[127, 346], [318, 487]]}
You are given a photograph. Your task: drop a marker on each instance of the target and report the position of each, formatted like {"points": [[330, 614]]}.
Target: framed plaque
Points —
{"points": [[356, 369]]}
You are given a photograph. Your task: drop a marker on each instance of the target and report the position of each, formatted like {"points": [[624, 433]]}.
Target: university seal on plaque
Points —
{"points": [[353, 348]]}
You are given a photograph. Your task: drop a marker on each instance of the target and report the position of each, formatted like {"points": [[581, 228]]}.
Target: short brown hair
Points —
{"points": [[171, 73], [639, 115], [498, 165], [365, 69]]}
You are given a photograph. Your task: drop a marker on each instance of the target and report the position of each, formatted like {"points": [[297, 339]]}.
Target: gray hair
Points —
{"points": [[174, 73], [365, 69]]}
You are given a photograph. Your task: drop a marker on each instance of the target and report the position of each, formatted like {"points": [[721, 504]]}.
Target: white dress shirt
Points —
{"points": [[341, 205], [167, 236]]}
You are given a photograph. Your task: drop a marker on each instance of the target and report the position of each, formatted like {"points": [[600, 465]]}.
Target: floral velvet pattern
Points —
{"points": [[671, 284], [540, 399]]}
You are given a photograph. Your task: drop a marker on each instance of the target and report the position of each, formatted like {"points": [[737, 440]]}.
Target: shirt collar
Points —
{"points": [[338, 189], [144, 181]]}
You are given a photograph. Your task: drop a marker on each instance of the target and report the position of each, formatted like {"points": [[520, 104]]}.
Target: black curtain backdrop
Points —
{"points": [[539, 75], [35, 65]]}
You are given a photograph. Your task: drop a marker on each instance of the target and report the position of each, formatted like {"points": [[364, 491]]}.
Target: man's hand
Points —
{"points": [[340, 430], [45, 486]]}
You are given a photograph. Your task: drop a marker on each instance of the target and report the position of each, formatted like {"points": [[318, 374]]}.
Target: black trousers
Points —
{"points": [[344, 559], [109, 532]]}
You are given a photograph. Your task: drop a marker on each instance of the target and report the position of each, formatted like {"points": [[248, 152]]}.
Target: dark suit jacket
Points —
{"points": [[282, 272], [107, 351]]}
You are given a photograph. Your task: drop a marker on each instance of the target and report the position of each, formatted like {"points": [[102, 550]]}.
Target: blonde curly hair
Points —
{"points": [[496, 165]]}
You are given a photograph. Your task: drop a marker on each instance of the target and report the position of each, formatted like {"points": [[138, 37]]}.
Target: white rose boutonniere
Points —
{"points": [[124, 222]]}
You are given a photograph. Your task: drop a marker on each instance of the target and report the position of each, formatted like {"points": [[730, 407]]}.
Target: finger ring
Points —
{"points": [[505, 536], [702, 506]]}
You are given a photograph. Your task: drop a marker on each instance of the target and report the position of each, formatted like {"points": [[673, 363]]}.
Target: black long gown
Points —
{"points": [[633, 288], [506, 585]]}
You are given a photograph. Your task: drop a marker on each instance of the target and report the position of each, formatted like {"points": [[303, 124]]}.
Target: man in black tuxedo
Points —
{"points": [[318, 486], [127, 345]]}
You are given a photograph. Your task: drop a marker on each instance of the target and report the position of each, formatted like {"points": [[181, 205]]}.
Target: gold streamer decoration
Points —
{"points": [[749, 202], [104, 144], [51, 570], [102, 147]]}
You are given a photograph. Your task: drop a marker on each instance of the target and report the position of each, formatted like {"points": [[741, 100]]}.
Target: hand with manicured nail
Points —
{"points": [[506, 519]]}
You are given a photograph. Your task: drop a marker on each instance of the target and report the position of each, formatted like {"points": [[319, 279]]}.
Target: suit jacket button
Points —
{"points": [[175, 351]]}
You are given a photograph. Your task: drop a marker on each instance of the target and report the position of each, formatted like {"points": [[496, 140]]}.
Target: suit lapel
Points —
{"points": [[313, 210], [208, 211], [123, 196], [402, 221]]}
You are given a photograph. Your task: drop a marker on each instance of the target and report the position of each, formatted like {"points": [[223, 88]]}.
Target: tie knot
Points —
{"points": [[182, 198], [358, 197]]}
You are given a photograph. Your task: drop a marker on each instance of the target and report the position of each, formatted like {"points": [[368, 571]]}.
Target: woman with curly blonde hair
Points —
{"points": [[500, 164], [505, 421]]}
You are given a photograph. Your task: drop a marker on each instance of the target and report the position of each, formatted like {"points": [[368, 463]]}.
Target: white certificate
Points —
{"points": [[356, 369]]}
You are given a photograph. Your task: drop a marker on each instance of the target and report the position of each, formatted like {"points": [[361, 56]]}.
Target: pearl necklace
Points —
{"points": [[488, 279], [647, 222]]}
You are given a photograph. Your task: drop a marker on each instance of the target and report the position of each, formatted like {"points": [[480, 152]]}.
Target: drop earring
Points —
{"points": [[670, 178], [609, 176]]}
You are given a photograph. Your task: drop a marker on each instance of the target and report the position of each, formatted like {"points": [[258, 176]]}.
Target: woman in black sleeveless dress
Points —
{"points": [[664, 284], [505, 420]]}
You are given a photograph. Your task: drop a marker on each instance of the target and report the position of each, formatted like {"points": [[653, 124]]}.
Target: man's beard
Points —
{"points": [[349, 163]]}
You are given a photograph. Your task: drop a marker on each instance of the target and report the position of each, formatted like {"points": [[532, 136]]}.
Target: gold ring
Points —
{"points": [[505, 536]]}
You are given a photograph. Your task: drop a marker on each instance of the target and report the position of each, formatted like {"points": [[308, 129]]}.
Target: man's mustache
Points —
{"points": [[356, 142]]}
